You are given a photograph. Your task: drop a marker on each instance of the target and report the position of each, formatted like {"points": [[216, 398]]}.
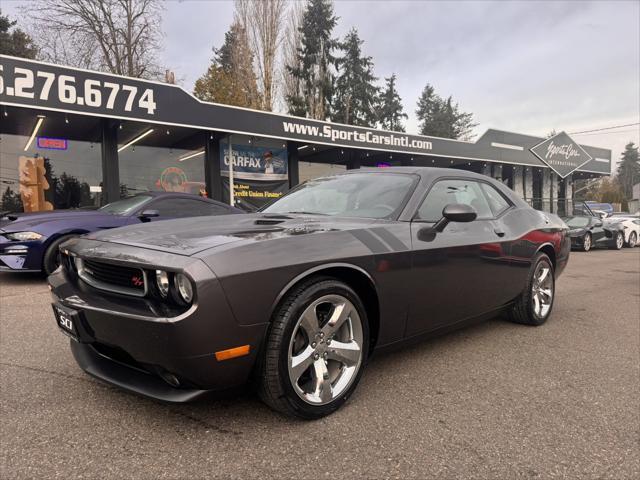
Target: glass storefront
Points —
{"points": [[50, 174], [144, 169]]}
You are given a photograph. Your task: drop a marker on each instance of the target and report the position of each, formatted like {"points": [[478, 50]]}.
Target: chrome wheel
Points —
{"points": [[325, 350], [632, 239], [542, 290], [586, 243], [619, 241]]}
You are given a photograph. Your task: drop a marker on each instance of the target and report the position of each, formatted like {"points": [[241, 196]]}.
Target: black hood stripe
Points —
{"points": [[390, 239], [370, 241]]}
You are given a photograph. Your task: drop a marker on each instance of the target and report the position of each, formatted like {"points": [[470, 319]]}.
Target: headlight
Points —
{"points": [[184, 287], [23, 236], [162, 281]]}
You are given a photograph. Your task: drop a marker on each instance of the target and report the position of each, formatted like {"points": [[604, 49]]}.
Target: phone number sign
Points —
{"points": [[40, 84]]}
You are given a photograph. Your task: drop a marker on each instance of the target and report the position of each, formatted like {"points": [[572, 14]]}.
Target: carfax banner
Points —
{"points": [[253, 162], [260, 174]]}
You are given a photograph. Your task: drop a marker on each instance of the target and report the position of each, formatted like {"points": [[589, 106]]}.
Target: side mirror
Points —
{"points": [[147, 215], [454, 212], [598, 224]]}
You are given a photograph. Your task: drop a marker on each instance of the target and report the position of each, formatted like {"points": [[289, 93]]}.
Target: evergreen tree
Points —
{"points": [[356, 95], [11, 201], [441, 117], [315, 58], [390, 110], [230, 79], [16, 43], [629, 169]]}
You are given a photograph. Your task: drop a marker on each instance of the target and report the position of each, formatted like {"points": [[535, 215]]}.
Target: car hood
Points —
{"points": [[20, 222], [189, 236]]}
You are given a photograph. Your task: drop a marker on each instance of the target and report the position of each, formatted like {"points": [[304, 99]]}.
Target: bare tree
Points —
{"points": [[263, 20], [292, 42], [120, 36]]}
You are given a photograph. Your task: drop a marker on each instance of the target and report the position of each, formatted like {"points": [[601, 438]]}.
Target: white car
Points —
{"points": [[631, 227]]}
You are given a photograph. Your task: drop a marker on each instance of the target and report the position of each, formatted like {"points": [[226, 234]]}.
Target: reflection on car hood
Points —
{"points": [[192, 235], [20, 222]]}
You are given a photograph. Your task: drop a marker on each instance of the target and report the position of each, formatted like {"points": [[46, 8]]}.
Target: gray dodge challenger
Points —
{"points": [[294, 299]]}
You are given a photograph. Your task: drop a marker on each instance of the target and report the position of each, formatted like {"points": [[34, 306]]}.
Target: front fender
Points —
{"points": [[255, 275]]}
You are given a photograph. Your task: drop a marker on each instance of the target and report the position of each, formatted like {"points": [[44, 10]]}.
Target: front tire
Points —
{"points": [[316, 349], [535, 303], [618, 241], [633, 240], [51, 259], [586, 242]]}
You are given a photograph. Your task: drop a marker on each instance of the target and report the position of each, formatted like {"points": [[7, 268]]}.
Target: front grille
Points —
{"points": [[114, 278]]}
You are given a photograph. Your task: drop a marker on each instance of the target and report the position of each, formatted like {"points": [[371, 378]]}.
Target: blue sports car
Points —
{"points": [[29, 241]]}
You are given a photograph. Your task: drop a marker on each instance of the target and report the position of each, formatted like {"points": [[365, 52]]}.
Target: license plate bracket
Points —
{"points": [[67, 320]]}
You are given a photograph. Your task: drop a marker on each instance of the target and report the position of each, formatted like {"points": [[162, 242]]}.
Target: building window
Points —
{"points": [[51, 174], [144, 168]]}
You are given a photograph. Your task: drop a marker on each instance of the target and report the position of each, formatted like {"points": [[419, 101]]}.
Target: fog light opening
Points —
{"points": [[170, 378]]}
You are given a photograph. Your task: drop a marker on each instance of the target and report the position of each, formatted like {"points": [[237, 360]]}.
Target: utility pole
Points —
{"points": [[231, 186]]}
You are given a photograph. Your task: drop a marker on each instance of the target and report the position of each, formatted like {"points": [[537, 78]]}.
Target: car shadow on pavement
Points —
{"points": [[240, 411], [9, 279]]}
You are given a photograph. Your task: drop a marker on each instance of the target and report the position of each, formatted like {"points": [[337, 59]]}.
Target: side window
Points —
{"points": [[177, 207], [201, 208], [445, 192], [497, 202]]}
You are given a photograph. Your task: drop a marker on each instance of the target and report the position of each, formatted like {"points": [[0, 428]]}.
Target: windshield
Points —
{"points": [[126, 205], [365, 195], [577, 222]]}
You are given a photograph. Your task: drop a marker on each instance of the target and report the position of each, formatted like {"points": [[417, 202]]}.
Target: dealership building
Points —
{"points": [[76, 138]]}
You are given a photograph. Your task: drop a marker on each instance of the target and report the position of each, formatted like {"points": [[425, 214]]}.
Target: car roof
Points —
{"points": [[423, 172], [428, 175], [164, 194], [186, 195]]}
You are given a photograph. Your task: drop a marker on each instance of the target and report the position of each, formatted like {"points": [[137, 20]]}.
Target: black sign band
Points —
{"points": [[28, 83]]}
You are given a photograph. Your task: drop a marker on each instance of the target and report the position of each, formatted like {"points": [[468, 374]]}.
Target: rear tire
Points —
{"points": [[633, 240], [51, 259], [315, 349], [587, 242], [618, 241], [535, 303]]}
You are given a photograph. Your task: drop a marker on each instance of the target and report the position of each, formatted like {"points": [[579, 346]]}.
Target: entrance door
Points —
{"points": [[460, 272]]}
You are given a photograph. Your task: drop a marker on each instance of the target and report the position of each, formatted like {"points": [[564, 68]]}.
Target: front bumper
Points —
{"points": [[134, 380], [128, 342], [577, 242], [21, 256]]}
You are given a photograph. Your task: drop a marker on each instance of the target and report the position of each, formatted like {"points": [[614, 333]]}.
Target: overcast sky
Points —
{"points": [[522, 66]]}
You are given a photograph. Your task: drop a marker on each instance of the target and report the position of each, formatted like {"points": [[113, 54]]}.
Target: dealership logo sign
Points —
{"points": [[561, 154]]}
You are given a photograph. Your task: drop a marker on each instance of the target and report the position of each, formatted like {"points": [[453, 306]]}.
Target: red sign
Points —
{"points": [[52, 143]]}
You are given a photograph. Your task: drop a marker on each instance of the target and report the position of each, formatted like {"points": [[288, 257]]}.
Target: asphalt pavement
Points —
{"points": [[495, 400]]}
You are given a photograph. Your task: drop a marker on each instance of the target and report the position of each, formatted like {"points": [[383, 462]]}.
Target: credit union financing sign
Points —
{"points": [[562, 154]]}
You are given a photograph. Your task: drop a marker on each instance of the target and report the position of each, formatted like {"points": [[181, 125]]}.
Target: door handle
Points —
{"points": [[499, 232]]}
